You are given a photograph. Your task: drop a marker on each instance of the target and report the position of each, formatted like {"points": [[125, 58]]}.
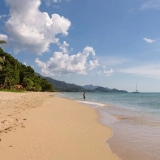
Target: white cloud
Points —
{"points": [[3, 16], [3, 37], [63, 47], [49, 2], [150, 4], [148, 40], [108, 72], [25, 63], [112, 61], [32, 30], [150, 70], [62, 63]]}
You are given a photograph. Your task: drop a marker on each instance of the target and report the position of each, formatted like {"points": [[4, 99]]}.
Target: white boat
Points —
{"points": [[136, 90]]}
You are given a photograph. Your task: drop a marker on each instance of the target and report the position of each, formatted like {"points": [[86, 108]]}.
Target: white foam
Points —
{"points": [[95, 104]]}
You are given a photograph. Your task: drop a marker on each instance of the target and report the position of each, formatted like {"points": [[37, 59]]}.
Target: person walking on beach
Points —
{"points": [[84, 95]]}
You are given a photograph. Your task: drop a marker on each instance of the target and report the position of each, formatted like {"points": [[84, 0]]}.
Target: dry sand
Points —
{"points": [[39, 126]]}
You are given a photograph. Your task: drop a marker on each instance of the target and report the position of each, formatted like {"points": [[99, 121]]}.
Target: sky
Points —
{"points": [[110, 43]]}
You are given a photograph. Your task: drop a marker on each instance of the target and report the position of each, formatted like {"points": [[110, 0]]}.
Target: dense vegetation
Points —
{"points": [[14, 75]]}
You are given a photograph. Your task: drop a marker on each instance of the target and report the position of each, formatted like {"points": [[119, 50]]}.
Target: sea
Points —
{"points": [[134, 119]]}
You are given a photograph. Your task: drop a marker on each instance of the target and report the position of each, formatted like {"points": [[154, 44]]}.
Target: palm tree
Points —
{"points": [[2, 42], [2, 58]]}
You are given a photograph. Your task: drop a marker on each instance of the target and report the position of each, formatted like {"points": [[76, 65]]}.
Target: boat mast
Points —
{"points": [[136, 88]]}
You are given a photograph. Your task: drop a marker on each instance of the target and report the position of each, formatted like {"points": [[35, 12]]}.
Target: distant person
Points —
{"points": [[84, 95]]}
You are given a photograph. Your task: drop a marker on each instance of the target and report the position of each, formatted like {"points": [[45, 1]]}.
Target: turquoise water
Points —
{"points": [[134, 118]]}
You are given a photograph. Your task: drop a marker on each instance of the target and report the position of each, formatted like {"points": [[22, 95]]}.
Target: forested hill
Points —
{"points": [[15, 75], [62, 86]]}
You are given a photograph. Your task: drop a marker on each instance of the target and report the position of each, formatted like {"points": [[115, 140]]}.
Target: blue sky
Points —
{"points": [[114, 44]]}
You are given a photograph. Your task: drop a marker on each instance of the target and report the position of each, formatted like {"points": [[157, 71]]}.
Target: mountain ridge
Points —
{"points": [[62, 86], [90, 86]]}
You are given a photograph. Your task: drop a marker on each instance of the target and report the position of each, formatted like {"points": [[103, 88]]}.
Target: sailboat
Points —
{"points": [[136, 90]]}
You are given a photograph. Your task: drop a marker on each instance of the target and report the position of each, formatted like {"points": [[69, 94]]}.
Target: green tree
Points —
{"points": [[14, 72], [46, 86], [10, 82], [27, 83], [37, 87], [6, 73], [2, 58]]}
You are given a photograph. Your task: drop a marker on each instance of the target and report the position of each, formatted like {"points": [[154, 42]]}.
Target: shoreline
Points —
{"points": [[104, 119], [131, 123], [49, 127]]}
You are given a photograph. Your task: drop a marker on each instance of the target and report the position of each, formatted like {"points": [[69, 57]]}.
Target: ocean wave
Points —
{"points": [[95, 104]]}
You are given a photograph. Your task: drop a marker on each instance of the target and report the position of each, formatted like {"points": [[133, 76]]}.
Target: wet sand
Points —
{"points": [[39, 126]]}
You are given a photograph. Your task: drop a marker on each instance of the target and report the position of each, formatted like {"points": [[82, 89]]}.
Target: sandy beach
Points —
{"points": [[39, 126]]}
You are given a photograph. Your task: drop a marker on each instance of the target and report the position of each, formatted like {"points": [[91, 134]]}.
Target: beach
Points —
{"points": [[42, 126]]}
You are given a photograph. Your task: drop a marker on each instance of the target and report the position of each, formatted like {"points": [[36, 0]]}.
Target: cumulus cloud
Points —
{"points": [[62, 63], [150, 70], [63, 47], [3, 37], [150, 4], [148, 40], [33, 30]]}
